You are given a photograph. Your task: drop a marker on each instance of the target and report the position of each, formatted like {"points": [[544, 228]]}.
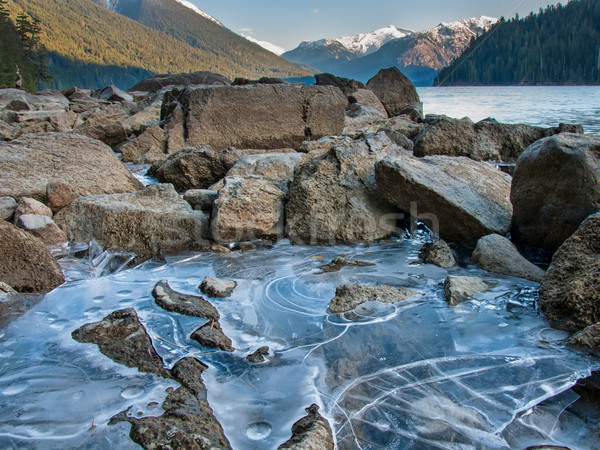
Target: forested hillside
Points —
{"points": [[559, 45]]}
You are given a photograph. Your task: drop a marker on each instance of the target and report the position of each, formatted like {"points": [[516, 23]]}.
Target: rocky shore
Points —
{"points": [[245, 165]]}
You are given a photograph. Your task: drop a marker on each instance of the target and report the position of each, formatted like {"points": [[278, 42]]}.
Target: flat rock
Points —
{"points": [[215, 287], [312, 432], [26, 263], [460, 289], [439, 253], [42, 227], [342, 261], [89, 166], [157, 82], [349, 296], [190, 305], [149, 222], [460, 199], [122, 337], [555, 187], [394, 90], [277, 168], [212, 335], [201, 199], [31, 206], [497, 254], [569, 293]]}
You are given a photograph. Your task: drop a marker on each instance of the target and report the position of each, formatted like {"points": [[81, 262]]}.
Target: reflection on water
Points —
{"points": [[545, 106]]}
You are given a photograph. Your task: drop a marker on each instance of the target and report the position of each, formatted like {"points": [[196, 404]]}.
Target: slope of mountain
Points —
{"points": [[266, 45], [84, 37], [328, 54], [559, 45]]}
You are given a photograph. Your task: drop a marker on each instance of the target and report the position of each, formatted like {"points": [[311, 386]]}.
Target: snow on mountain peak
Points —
{"points": [[266, 45], [199, 11]]}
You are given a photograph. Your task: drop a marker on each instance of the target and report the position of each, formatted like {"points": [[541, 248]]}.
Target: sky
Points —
{"points": [[286, 23]]}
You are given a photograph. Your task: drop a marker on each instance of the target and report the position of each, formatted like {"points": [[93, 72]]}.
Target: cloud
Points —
{"points": [[246, 30], [314, 11]]}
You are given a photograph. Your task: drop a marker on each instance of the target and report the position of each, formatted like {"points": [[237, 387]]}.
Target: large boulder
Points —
{"points": [[254, 116], [333, 197], [157, 82], [25, 262], [395, 91], [555, 187], [148, 147], [346, 85], [89, 166], [458, 198], [149, 222], [569, 293]]}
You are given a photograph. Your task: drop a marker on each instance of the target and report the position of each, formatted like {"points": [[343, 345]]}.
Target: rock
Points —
{"points": [[157, 82], [144, 148], [105, 122], [346, 85], [218, 248], [259, 355], [8, 132], [28, 205], [324, 144], [497, 254], [366, 97], [216, 287], [89, 166], [6, 289], [149, 222], [439, 253], [277, 168], [414, 111], [59, 194], [460, 289], [42, 227], [312, 432], [8, 206], [26, 263], [201, 199], [114, 94], [189, 305], [123, 338], [394, 90], [588, 337], [257, 116], [13, 305], [341, 261], [364, 125], [458, 198], [262, 80], [555, 187], [333, 197], [187, 422], [359, 112], [569, 293], [349, 296], [20, 100], [211, 335]]}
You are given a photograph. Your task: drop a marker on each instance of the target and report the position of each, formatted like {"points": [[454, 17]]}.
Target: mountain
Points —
{"points": [[266, 45], [418, 55], [328, 54], [559, 45], [92, 46]]}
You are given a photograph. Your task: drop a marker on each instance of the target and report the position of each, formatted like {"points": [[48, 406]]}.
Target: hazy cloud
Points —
{"points": [[314, 11], [246, 30]]}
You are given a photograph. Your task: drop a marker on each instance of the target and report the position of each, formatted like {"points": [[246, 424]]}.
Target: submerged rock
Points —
{"points": [[569, 293], [460, 289], [439, 253], [26, 264], [312, 432], [259, 355], [342, 261], [123, 338], [189, 305], [394, 90], [555, 187], [216, 287], [212, 335], [349, 296], [458, 198]]}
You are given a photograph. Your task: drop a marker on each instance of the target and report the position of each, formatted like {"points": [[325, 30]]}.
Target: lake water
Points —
{"points": [[545, 106]]}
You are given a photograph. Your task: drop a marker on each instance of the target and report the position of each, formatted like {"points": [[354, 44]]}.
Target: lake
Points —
{"points": [[544, 106]]}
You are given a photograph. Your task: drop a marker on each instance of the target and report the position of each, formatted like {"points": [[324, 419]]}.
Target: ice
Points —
{"points": [[488, 373]]}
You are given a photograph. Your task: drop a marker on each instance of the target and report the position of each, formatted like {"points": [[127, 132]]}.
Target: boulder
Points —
{"points": [[147, 148], [262, 80], [359, 112], [201, 199], [338, 262], [89, 166], [114, 94], [277, 168], [349, 296], [42, 227], [460, 289], [20, 100], [588, 337], [367, 97], [28, 205], [458, 198], [439, 253], [364, 125], [157, 82], [394, 90], [555, 187], [333, 197], [59, 194], [26, 263], [255, 116], [105, 122], [211, 335], [259, 356], [149, 222], [6, 289], [8, 206], [312, 432], [324, 144], [346, 85], [497, 254], [569, 293], [215, 287], [189, 305]]}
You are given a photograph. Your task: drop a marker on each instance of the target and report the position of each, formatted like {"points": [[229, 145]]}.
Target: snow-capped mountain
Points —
{"points": [[264, 44], [198, 11], [367, 43]]}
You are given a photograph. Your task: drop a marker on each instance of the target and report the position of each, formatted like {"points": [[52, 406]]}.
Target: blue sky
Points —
{"points": [[286, 23]]}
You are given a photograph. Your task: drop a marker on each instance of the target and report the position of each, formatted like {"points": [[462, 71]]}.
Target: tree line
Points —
{"points": [[560, 45]]}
